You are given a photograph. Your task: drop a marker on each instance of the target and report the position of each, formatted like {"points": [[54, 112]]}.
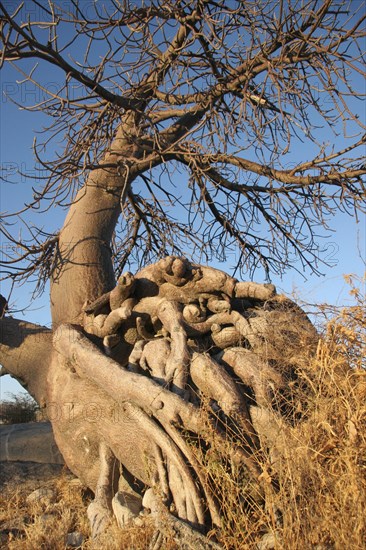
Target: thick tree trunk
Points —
{"points": [[83, 269]]}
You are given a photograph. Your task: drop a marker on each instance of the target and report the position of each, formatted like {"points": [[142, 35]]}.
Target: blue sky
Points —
{"points": [[344, 249]]}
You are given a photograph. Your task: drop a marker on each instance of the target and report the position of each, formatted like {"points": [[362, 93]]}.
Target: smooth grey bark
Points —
{"points": [[25, 354], [83, 269]]}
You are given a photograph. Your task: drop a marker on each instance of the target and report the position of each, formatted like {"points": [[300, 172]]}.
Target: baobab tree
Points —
{"points": [[180, 125]]}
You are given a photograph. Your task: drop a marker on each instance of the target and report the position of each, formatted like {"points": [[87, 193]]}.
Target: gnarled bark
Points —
{"points": [[159, 372]]}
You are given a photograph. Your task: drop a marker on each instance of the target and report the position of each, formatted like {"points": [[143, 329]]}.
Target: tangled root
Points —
{"points": [[213, 349]]}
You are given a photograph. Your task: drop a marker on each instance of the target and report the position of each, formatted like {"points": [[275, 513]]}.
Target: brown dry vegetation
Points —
{"points": [[45, 524], [19, 408], [316, 474]]}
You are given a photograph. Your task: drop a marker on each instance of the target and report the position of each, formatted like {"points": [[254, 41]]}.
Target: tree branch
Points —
{"points": [[25, 353]]}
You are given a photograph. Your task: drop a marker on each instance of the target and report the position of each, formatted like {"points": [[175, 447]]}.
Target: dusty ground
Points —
{"points": [[28, 474], [46, 523], [25, 524]]}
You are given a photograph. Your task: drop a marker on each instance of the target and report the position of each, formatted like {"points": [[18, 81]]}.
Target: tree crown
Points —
{"points": [[214, 102]]}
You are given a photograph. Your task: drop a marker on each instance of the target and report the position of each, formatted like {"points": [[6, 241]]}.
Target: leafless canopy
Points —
{"points": [[218, 100]]}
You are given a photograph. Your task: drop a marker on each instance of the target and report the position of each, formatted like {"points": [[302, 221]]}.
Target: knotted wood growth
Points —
{"points": [[183, 350]]}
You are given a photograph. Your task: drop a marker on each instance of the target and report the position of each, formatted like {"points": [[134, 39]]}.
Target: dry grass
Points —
{"points": [[316, 474], [314, 477], [41, 524], [44, 525]]}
